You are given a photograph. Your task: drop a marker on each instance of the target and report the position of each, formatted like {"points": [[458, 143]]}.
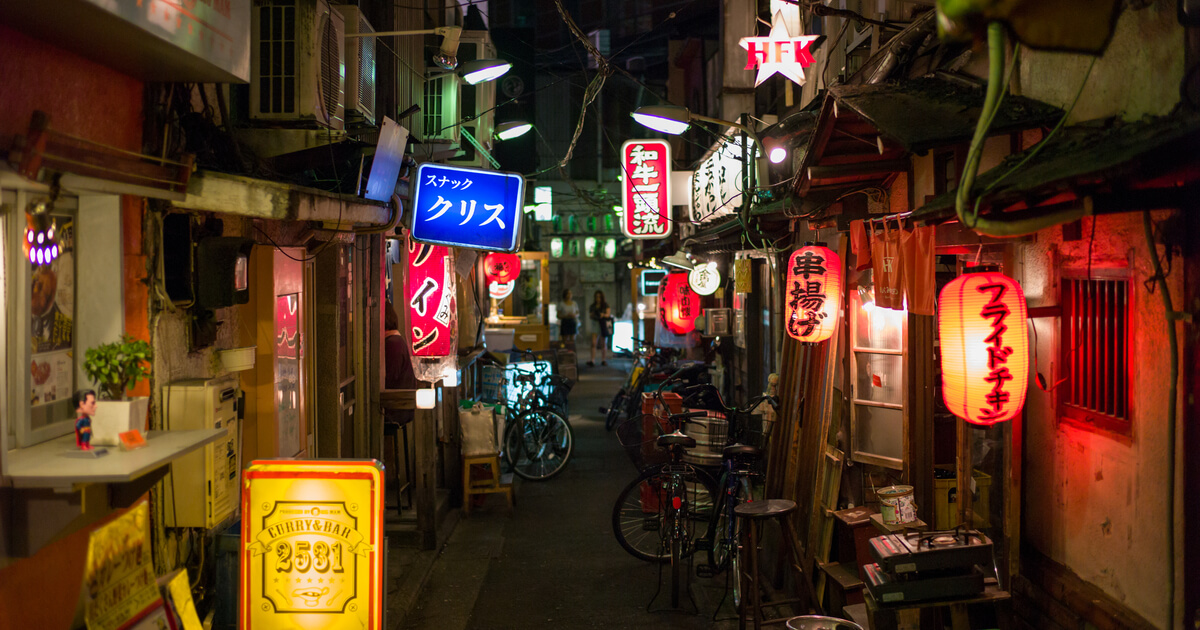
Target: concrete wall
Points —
{"points": [[1138, 75], [1093, 503]]}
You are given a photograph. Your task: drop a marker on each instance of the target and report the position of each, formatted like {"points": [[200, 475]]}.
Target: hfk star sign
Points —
{"points": [[779, 52]]}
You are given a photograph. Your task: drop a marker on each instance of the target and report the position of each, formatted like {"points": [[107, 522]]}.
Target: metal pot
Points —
{"points": [[817, 622]]}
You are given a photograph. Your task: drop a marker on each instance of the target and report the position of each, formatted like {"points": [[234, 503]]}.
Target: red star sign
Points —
{"points": [[779, 52]]}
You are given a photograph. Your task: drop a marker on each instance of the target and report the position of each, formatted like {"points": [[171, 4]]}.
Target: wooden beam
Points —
{"points": [[918, 409], [854, 170], [210, 191]]}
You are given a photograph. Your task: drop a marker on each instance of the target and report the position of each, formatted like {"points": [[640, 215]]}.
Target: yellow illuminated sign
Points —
{"points": [[312, 544]]}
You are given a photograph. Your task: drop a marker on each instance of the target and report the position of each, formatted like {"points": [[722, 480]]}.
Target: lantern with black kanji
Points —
{"points": [[813, 293], [678, 304], [985, 347], [501, 268]]}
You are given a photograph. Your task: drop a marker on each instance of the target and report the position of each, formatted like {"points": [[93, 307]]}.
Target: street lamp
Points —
{"points": [[512, 129], [679, 260], [674, 120], [481, 70]]}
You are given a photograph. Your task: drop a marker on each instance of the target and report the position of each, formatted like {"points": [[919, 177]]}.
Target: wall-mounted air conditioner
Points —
{"points": [[297, 68], [360, 65], [475, 101]]}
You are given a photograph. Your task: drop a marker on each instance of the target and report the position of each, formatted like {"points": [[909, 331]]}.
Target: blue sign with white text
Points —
{"points": [[467, 207]]}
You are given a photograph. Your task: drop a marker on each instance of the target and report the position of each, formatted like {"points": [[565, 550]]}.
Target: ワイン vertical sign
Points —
{"points": [[646, 194]]}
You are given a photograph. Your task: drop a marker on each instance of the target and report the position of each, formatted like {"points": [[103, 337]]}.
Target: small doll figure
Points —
{"points": [[85, 408]]}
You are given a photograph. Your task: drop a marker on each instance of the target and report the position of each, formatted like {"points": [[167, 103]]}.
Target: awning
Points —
{"points": [[1148, 164], [865, 133], [211, 191]]}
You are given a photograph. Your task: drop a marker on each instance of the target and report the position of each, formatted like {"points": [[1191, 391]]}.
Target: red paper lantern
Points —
{"points": [[678, 304], [813, 293], [432, 308], [985, 347], [501, 268]]}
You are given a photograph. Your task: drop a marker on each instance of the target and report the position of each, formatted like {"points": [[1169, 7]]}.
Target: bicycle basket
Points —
{"points": [[638, 435]]}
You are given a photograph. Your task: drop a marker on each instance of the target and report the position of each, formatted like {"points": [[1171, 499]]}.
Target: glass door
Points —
{"points": [[877, 338]]}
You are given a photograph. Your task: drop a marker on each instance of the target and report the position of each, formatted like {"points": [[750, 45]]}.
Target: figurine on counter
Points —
{"points": [[85, 408]]}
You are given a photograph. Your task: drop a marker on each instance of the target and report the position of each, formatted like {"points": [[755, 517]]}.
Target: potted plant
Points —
{"points": [[116, 368]]}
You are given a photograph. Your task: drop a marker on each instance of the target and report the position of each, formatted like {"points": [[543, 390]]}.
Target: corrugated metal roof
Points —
{"points": [[1087, 156], [920, 114]]}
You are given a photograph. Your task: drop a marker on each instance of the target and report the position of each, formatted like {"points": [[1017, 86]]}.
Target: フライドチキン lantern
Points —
{"points": [[985, 347], [813, 293], [678, 304], [501, 268]]}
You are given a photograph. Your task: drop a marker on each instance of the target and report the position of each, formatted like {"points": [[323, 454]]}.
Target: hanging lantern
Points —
{"points": [[985, 347], [432, 311], [814, 293], [502, 268], [678, 304]]}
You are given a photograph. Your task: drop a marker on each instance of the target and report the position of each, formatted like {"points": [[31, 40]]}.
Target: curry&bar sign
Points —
{"points": [[312, 535]]}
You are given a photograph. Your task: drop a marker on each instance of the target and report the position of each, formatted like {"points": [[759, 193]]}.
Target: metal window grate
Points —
{"points": [[277, 58], [1095, 350], [366, 69], [433, 106]]}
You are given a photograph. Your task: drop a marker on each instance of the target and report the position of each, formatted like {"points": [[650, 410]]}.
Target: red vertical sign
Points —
{"points": [[432, 306], [646, 194]]}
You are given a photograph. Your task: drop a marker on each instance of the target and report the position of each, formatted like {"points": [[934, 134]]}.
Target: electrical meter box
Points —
{"points": [[203, 487]]}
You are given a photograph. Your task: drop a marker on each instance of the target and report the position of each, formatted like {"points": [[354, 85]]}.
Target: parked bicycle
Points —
{"points": [[538, 441], [661, 514], [735, 485]]}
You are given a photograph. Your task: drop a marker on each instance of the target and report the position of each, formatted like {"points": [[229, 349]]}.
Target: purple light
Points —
{"points": [[31, 257], [39, 255], [54, 251], [41, 237]]}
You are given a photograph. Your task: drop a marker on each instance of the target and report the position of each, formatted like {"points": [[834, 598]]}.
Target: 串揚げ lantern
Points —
{"points": [[501, 268], [985, 347], [678, 304], [813, 293]]}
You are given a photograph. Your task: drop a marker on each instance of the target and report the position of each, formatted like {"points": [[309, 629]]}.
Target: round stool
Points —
{"points": [[755, 512]]}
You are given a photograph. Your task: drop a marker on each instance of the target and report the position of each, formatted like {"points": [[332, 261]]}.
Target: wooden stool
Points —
{"points": [[494, 482], [752, 514]]}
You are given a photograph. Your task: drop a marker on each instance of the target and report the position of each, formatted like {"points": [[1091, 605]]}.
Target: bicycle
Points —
{"points": [[738, 469], [643, 353], [539, 441], [656, 516]]}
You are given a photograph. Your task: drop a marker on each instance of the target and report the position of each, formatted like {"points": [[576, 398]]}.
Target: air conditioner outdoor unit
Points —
{"points": [[475, 101], [297, 64], [360, 65]]}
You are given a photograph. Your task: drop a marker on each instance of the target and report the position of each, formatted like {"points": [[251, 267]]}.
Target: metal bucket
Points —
{"points": [[710, 434], [896, 505], [817, 622]]}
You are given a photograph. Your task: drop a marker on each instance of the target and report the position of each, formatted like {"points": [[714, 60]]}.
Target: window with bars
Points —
{"points": [[1094, 347]]}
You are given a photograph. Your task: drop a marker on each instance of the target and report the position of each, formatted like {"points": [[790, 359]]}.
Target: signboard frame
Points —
{"points": [[442, 181]]}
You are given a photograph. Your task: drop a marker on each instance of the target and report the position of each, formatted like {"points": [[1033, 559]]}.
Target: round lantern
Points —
{"points": [[678, 304], [813, 293], [985, 347], [502, 268]]}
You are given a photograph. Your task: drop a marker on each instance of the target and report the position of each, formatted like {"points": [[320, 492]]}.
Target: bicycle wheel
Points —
{"points": [[725, 527], [538, 445], [640, 514], [614, 410]]}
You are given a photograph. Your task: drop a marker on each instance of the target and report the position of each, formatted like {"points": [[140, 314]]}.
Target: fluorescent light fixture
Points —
{"points": [[512, 129], [777, 155], [481, 70], [668, 119], [679, 260], [451, 379]]}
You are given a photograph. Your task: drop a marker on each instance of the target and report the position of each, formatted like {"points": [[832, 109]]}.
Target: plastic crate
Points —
{"points": [[945, 500]]}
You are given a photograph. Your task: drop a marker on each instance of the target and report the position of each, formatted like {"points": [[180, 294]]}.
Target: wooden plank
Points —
{"points": [[425, 482], [918, 412]]}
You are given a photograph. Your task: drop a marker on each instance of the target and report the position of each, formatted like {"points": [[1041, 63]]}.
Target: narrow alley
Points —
{"points": [[553, 561]]}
